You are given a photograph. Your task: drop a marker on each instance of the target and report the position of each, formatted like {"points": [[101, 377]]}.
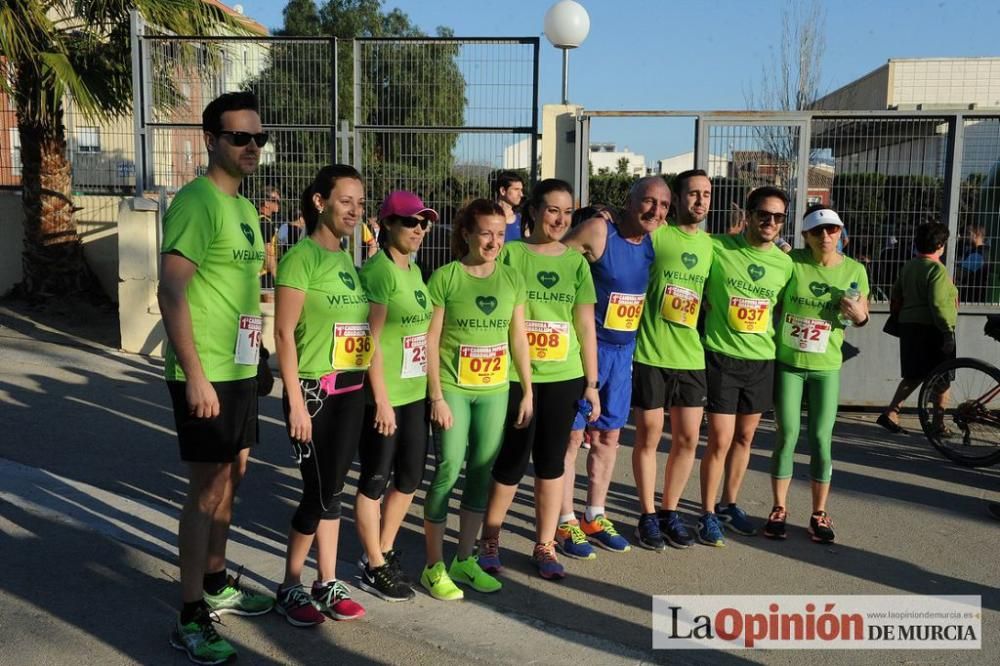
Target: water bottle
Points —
{"points": [[853, 293]]}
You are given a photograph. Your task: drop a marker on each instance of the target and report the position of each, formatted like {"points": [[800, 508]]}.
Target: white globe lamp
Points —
{"points": [[566, 25]]}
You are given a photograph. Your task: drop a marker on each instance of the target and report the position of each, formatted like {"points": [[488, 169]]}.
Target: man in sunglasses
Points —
{"points": [[749, 273], [209, 294]]}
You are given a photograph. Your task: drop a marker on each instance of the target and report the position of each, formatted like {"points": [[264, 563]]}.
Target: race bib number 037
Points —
{"points": [[749, 315], [482, 365], [548, 340], [623, 311], [352, 346]]}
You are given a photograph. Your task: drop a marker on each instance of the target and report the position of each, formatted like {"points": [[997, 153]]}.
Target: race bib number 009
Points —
{"points": [[547, 340], [749, 315], [805, 334], [623, 311], [680, 305], [414, 356], [352, 346], [248, 340], [482, 365]]}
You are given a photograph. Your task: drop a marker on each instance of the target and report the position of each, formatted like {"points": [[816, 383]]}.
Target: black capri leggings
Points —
{"points": [[402, 454], [324, 462], [545, 438]]}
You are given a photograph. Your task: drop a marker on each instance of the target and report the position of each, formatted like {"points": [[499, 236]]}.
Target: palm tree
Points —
{"points": [[54, 49]]}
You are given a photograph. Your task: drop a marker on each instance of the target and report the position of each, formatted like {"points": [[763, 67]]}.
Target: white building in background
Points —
{"points": [[606, 157], [685, 161], [518, 155], [928, 84]]}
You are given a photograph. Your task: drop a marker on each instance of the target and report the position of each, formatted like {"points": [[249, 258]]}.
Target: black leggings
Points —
{"points": [[402, 454], [545, 438], [324, 462]]}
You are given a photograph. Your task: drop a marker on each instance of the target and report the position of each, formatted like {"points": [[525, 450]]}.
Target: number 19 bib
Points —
{"points": [[749, 315], [805, 334], [548, 340], [482, 365], [352, 346], [248, 340]]}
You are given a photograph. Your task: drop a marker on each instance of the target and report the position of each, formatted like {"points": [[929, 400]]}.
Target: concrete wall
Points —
{"points": [[868, 93], [558, 125]]}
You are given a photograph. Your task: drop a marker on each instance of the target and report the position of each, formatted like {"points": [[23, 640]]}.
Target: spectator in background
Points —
{"points": [[268, 208], [972, 273], [508, 191]]}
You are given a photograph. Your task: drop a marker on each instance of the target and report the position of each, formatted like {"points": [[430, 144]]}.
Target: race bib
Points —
{"points": [[352, 346], [623, 311], [414, 356], [680, 305], [805, 334], [482, 365], [749, 315], [548, 340], [248, 340]]}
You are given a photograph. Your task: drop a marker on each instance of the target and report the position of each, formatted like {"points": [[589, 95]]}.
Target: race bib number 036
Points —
{"points": [[749, 315], [414, 356], [548, 340], [680, 305], [623, 311], [805, 334], [248, 340], [482, 365], [352, 346]]}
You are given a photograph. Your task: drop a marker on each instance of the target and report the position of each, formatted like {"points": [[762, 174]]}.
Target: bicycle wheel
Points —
{"points": [[967, 429]]}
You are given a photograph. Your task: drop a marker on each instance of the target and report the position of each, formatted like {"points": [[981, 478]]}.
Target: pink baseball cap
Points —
{"points": [[405, 204]]}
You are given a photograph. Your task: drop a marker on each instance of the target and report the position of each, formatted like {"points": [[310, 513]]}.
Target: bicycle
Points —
{"points": [[972, 407]]}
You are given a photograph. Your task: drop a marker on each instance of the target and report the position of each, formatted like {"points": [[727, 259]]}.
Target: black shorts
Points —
{"points": [[654, 387], [547, 435], [920, 350], [403, 454], [738, 386], [217, 440]]}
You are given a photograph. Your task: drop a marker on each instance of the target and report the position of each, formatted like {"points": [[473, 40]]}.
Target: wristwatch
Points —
{"points": [[594, 385]]}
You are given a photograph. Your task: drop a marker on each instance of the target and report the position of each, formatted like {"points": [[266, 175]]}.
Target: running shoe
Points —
{"points": [[775, 527], [572, 542], [709, 532], [395, 559], [439, 584], [674, 530], [469, 572], [335, 600], [544, 557], [237, 601], [821, 527], [736, 519], [489, 555], [200, 641], [602, 531], [384, 583], [297, 607], [648, 534]]}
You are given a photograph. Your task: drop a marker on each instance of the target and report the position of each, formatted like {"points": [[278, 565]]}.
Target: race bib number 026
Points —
{"points": [[805, 334], [482, 365], [248, 340], [749, 315], [352, 346], [414, 356], [623, 311], [548, 340], [680, 306]]}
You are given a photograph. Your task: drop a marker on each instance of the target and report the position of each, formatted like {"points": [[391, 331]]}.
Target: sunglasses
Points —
{"points": [[240, 139], [411, 222], [765, 215], [830, 229]]}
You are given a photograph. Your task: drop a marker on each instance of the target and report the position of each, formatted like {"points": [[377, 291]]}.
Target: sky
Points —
{"points": [[671, 54]]}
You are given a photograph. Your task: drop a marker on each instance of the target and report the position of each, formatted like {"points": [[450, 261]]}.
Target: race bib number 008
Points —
{"points": [[352, 346], [547, 340], [749, 315], [248, 340], [623, 311], [680, 305], [414, 356], [482, 365], [805, 334]]}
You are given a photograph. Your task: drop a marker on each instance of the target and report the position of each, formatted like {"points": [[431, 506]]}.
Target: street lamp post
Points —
{"points": [[566, 25]]}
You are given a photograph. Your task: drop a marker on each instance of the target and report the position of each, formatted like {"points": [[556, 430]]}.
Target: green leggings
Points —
{"points": [[824, 394], [474, 439]]}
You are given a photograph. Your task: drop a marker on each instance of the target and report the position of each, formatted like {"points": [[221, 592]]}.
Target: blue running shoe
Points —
{"points": [[603, 532], [572, 542], [676, 532], [709, 532], [735, 519], [647, 533], [489, 555]]}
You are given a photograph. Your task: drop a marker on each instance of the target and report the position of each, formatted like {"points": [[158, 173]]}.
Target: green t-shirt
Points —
{"points": [[403, 340], [553, 286], [474, 349], [810, 334], [927, 293], [668, 335], [220, 234], [744, 285], [332, 331]]}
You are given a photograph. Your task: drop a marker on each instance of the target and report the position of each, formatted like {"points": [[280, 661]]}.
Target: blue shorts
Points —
{"points": [[614, 372]]}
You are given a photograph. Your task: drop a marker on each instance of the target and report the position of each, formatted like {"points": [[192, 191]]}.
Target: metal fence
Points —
{"points": [[885, 172]]}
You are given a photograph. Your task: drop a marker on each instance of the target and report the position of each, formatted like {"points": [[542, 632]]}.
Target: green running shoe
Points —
{"points": [[468, 572], [439, 585], [233, 599], [200, 641]]}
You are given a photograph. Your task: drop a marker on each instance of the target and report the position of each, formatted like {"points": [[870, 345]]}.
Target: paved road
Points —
{"points": [[90, 489]]}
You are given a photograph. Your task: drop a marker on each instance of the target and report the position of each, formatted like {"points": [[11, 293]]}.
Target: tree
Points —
{"points": [[54, 50]]}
